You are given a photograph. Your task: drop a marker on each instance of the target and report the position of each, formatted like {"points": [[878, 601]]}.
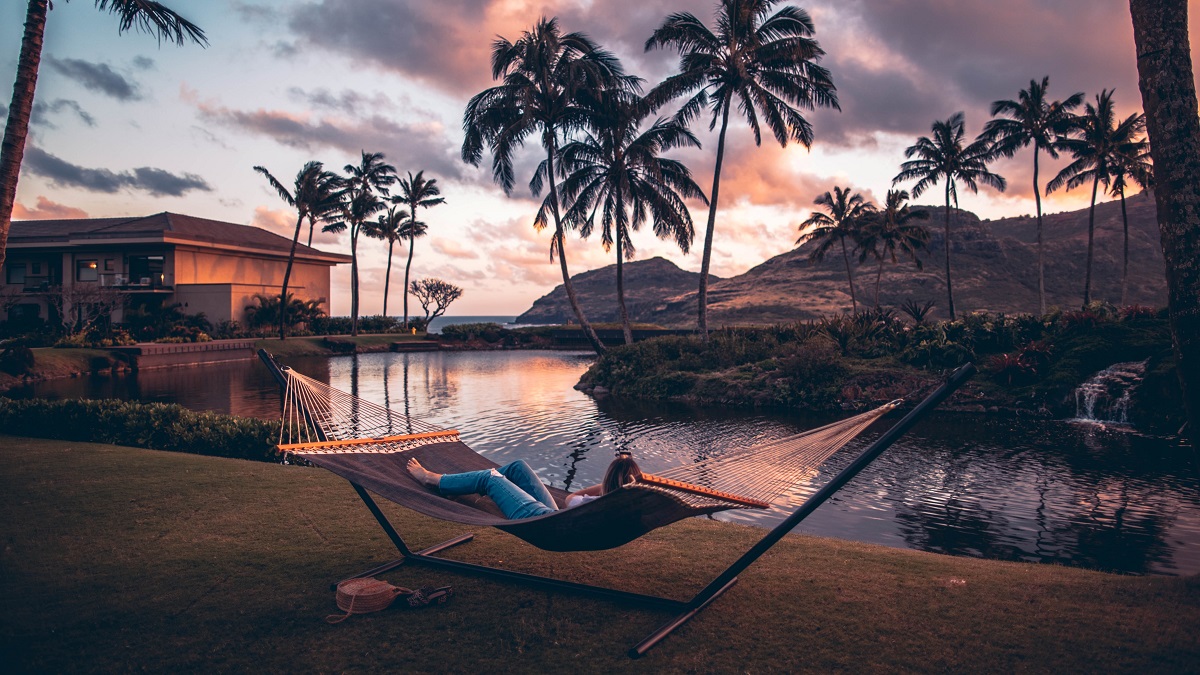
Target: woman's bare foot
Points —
{"points": [[422, 475]]}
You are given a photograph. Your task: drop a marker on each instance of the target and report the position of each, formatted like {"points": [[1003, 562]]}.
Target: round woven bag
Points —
{"points": [[363, 596]]}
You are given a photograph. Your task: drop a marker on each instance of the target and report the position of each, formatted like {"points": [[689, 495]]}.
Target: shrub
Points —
{"points": [[159, 426], [16, 359]]}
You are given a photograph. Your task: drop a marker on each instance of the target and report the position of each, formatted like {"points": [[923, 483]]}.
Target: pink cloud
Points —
{"points": [[46, 210]]}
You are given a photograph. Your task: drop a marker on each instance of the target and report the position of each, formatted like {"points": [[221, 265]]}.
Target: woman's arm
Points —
{"points": [[593, 491]]}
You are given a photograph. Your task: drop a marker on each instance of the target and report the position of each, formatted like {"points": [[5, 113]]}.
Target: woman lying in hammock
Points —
{"points": [[515, 488]]}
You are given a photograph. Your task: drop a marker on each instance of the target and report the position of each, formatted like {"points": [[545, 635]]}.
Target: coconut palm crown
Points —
{"points": [[542, 74], [844, 218], [946, 157], [764, 64], [616, 168], [893, 231], [1032, 120]]}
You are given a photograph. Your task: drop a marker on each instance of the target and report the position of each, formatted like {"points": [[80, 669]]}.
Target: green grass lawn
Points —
{"points": [[117, 559]]}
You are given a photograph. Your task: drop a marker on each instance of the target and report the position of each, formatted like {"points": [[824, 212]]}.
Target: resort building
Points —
{"points": [[203, 265]]}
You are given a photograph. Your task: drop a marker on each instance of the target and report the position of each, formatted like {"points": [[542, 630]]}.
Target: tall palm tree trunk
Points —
{"points": [[849, 277], [1037, 198], [1160, 31], [1087, 283], [878, 276], [1125, 258], [407, 267], [353, 282], [13, 149], [946, 243], [287, 275], [621, 292], [706, 258], [561, 242], [387, 278]]}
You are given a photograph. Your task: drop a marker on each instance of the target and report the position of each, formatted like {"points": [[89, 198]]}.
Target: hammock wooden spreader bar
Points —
{"points": [[369, 445]]}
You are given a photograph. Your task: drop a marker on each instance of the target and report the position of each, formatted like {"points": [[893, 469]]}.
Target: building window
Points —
{"points": [[87, 270], [14, 273], [147, 270], [108, 265], [35, 269], [24, 312]]}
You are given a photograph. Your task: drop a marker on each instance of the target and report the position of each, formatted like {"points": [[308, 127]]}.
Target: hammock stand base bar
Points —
{"points": [[709, 593]]}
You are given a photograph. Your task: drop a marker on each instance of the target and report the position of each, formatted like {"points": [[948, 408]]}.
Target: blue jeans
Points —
{"points": [[514, 487]]}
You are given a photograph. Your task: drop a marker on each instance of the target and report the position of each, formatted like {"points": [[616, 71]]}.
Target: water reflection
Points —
{"points": [[1037, 491]]}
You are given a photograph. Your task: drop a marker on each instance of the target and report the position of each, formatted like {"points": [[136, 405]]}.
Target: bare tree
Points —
{"points": [[81, 306], [436, 293]]}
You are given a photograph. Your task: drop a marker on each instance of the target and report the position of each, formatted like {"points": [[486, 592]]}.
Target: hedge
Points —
{"points": [[158, 426]]}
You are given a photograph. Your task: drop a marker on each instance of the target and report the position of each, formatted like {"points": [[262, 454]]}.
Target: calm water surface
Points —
{"points": [[1053, 492]]}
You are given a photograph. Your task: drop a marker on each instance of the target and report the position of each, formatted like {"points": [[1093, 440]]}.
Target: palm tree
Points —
{"points": [[765, 64], [1132, 164], [617, 170], [365, 182], [946, 157], [844, 220], [147, 17], [542, 75], [387, 228], [1095, 141], [893, 231], [1160, 32], [1031, 119], [415, 192], [316, 194]]}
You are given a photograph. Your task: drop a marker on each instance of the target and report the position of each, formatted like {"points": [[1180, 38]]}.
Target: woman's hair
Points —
{"points": [[622, 470]]}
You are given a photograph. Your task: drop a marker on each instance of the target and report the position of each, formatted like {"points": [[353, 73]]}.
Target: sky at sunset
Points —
{"points": [[123, 126]]}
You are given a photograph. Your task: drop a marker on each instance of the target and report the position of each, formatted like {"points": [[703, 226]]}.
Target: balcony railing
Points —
{"points": [[149, 282]]}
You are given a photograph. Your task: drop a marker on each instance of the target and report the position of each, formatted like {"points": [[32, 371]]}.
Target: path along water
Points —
{"points": [[1084, 495]]}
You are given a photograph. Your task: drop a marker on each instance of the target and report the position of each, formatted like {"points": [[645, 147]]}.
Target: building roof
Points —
{"points": [[167, 228]]}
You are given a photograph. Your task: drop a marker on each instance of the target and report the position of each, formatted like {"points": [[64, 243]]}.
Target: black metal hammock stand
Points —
{"points": [[369, 445]]}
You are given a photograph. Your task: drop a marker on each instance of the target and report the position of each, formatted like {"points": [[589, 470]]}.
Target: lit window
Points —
{"points": [[87, 270]]}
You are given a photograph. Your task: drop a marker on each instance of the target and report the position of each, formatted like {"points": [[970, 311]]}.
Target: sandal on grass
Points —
{"points": [[424, 597]]}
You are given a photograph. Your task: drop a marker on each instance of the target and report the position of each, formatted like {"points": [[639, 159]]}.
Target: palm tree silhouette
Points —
{"points": [[316, 194], [891, 231], [1096, 139], [946, 157], [764, 63], [543, 73], [844, 219], [387, 228], [146, 17], [415, 192], [1032, 119], [365, 182], [617, 170], [1132, 164]]}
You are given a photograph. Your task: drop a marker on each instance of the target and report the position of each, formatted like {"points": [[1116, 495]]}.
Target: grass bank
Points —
{"points": [[320, 345], [51, 363], [117, 559]]}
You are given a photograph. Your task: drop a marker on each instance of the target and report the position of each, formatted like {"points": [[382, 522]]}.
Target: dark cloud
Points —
{"points": [[421, 145], [252, 12], [98, 77], [349, 102], [143, 63], [157, 182], [40, 115]]}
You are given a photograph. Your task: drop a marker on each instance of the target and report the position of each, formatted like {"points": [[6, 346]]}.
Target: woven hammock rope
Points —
{"points": [[321, 420]]}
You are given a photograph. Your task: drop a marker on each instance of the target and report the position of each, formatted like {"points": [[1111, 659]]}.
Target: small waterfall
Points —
{"points": [[1104, 397]]}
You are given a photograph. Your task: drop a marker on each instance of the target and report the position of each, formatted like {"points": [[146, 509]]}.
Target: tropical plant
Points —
{"points": [[365, 183], [436, 293], [845, 218], [946, 157], [891, 231], [415, 192], [542, 75], [148, 17], [765, 64], [388, 228], [1032, 120], [316, 195], [1095, 141], [1131, 164], [265, 311], [617, 170], [918, 312], [1160, 34]]}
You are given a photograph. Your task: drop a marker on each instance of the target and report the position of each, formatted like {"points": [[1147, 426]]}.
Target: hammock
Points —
{"points": [[369, 445]]}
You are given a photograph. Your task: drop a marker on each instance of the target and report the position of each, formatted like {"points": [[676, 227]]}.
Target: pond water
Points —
{"points": [[1055, 492]]}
